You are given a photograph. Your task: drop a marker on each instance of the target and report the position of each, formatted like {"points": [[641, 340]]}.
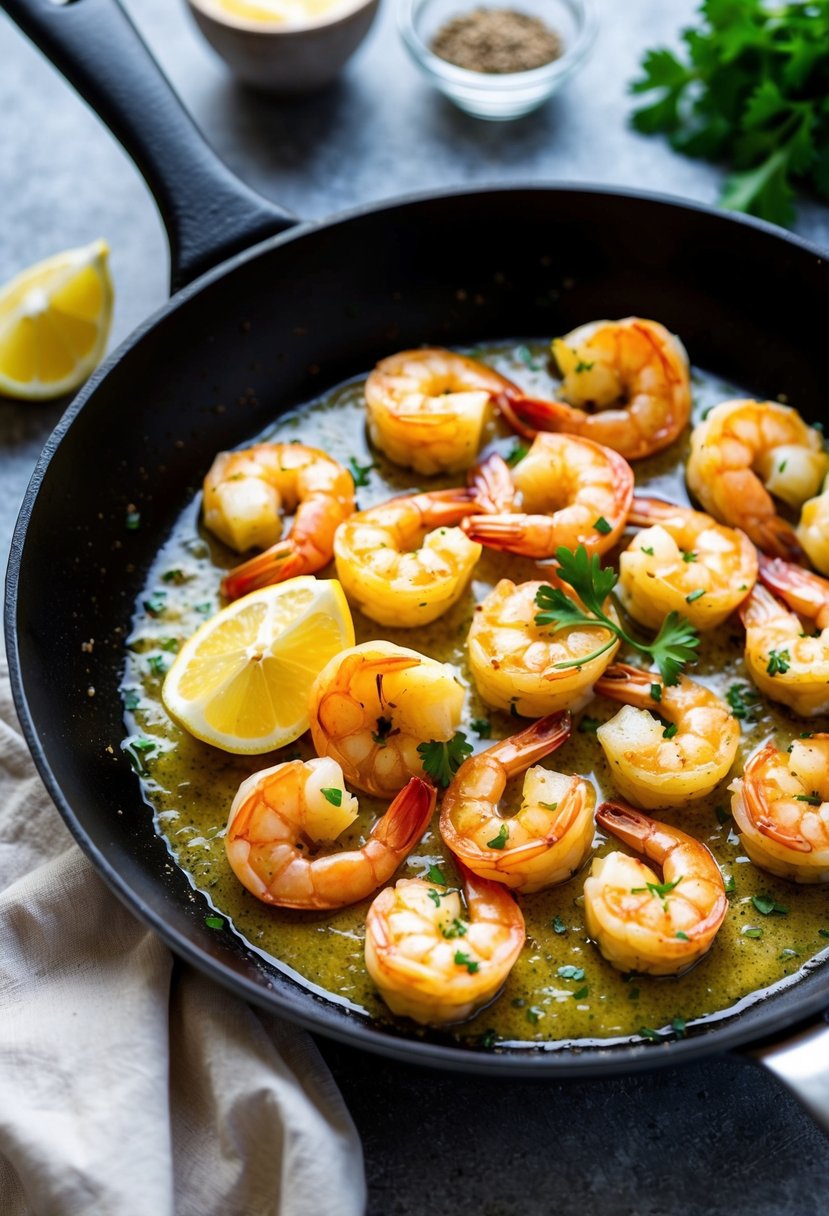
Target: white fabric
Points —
{"points": [[131, 1085]]}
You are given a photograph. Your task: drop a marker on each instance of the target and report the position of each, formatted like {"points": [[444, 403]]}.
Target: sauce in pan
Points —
{"points": [[561, 988]]}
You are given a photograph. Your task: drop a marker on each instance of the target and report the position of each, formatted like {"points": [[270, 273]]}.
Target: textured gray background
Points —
{"points": [[705, 1140]]}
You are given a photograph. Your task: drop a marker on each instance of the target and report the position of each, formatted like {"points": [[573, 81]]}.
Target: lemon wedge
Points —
{"points": [[54, 323], [241, 682]]}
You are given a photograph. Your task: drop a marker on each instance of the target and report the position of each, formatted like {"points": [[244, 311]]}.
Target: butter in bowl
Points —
{"points": [[285, 46]]}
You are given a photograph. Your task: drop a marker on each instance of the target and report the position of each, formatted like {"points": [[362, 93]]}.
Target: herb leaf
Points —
{"points": [[442, 760], [673, 647]]}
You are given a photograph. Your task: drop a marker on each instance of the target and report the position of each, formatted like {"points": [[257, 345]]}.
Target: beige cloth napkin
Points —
{"points": [[131, 1085]]}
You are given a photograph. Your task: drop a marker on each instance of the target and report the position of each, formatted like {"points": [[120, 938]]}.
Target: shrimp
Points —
{"points": [[684, 562], [281, 815], [428, 409], [573, 492], [401, 562], [787, 663], [533, 669], [658, 766], [244, 495], [781, 806], [373, 704], [636, 375], [641, 923], [813, 529], [548, 838], [435, 961], [746, 451]]}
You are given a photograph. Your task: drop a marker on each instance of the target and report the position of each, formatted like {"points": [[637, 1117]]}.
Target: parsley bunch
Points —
{"points": [[750, 89], [673, 647]]}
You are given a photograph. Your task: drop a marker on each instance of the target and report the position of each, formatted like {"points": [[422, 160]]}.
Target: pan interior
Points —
{"points": [[270, 331]]}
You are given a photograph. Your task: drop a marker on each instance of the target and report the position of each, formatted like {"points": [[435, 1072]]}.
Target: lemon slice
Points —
{"points": [[54, 323], [241, 682]]}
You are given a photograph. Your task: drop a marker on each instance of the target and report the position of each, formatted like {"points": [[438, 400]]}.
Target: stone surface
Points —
{"points": [[707, 1139]]}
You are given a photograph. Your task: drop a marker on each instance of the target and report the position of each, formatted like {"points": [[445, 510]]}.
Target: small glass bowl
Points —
{"points": [[505, 95]]}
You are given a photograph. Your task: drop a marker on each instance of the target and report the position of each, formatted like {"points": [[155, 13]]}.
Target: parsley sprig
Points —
{"points": [[673, 647], [749, 88], [442, 760]]}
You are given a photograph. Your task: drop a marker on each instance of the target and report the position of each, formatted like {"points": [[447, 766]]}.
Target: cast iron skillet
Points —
{"points": [[254, 329]]}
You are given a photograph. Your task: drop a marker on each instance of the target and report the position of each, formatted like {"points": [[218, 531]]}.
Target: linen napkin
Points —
{"points": [[131, 1085]]}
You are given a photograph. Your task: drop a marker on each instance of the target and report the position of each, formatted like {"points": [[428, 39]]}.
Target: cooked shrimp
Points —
{"points": [[813, 529], [746, 451], [434, 960], [781, 806], [371, 707], [573, 492], [634, 372], [401, 562], [428, 409], [639, 922], [280, 816], [786, 662], [245, 493], [684, 561], [659, 766], [534, 669], [548, 838]]}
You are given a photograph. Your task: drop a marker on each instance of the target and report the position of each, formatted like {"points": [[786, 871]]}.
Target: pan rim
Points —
{"points": [[589, 1060]]}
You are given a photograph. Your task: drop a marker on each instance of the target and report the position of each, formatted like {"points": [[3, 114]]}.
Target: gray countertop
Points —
{"points": [[713, 1138]]}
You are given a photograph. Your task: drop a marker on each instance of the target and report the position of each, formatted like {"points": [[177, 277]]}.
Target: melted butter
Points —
{"points": [[190, 785], [279, 12]]}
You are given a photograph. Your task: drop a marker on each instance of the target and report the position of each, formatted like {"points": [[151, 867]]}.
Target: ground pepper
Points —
{"points": [[496, 40]]}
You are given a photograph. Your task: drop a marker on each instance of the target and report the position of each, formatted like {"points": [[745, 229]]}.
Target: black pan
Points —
{"points": [[255, 329]]}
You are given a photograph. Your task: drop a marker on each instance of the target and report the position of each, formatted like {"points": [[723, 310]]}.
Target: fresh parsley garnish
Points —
{"points": [[333, 795], [501, 839], [583, 366], [457, 928], [679, 1025], [779, 662], [580, 993], [661, 889], [748, 89], [812, 799], [435, 874], [549, 806], [588, 725], [750, 931], [767, 906], [656, 692], [670, 730], [442, 760], [683, 937], [132, 699], [673, 647], [157, 664], [559, 925], [155, 605], [482, 727], [463, 960], [744, 702], [693, 596], [601, 525], [688, 555], [516, 454], [571, 973], [214, 922], [359, 472]]}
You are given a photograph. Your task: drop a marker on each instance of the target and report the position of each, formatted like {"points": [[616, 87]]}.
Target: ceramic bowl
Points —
{"points": [[292, 56]]}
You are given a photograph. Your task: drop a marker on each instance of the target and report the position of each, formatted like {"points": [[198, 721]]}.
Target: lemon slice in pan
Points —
{"points": [[241, 682]]}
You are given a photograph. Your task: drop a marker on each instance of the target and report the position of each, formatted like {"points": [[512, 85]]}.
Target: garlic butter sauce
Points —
{"points": [[561, 989]]}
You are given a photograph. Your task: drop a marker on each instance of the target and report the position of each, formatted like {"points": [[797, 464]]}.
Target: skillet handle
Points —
{"points": [[209, 214], [801, 1062]]}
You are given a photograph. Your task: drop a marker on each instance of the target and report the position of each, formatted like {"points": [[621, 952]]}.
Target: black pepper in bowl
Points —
{"points": [[496, 40]]}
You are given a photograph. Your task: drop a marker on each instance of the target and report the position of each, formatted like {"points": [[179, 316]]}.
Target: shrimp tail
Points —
{"points": [[527, 535], [282, 561], [442, 508], [492, 485], [805, 592], [519, 751], [623, 682], [627, 824], [776, 537], [529, 415], [644, 512], [407, 818]]}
